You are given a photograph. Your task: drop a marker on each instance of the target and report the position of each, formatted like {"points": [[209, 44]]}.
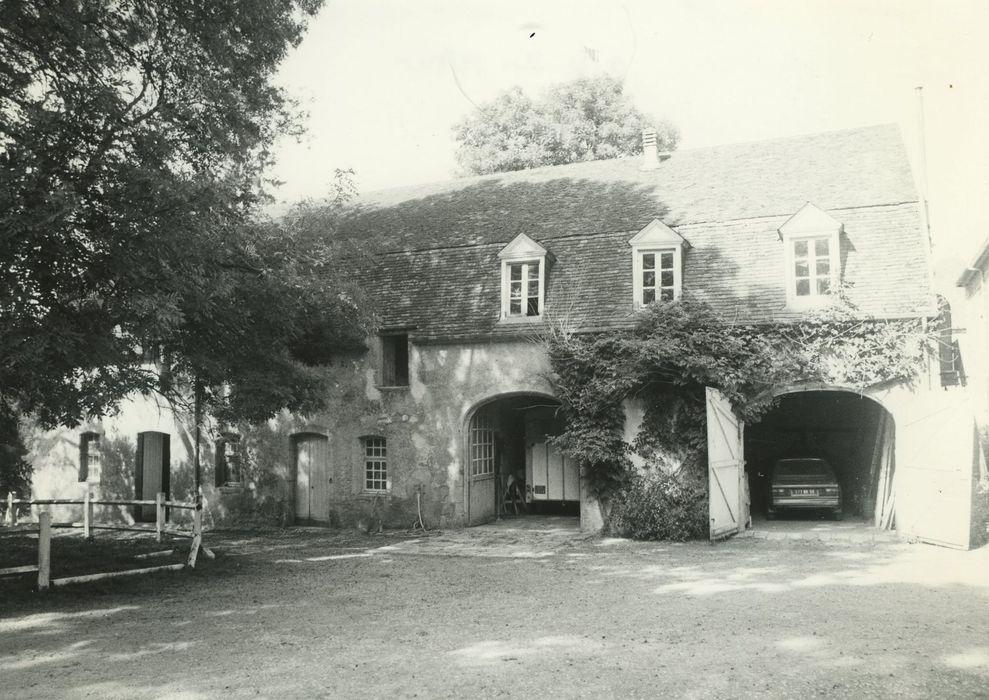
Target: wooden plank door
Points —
{"points": [[936, 453], [725, 467], [312, 478], [481, 470], [151, 472]]}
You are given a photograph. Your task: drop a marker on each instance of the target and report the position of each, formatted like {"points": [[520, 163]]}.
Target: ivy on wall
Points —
{"points": [[676, 349]]}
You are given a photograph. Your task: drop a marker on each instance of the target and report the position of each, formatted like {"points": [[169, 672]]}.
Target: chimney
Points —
{"points": [[650, 154]]}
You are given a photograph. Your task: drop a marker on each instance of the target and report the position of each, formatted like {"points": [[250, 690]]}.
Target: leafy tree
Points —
{"points": [[587, 119], [133, 141]]}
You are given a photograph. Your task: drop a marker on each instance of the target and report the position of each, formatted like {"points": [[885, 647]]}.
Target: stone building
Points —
{"points": [[453, 402]]}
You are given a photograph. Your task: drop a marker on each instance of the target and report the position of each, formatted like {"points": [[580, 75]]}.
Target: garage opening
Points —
{"points": [[851, 433], [513, 470]]}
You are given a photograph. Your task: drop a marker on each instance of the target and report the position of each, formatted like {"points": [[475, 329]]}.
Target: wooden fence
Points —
{"points": [[44, 527]]}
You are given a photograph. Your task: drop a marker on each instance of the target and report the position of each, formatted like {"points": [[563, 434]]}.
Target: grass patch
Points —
{"points": [[72, 555]]}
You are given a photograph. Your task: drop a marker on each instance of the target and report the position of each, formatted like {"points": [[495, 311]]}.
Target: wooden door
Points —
{"points": [[312, 478], [936, 453], [152, 472], [551, 476], [482, 453], [725, 467]]}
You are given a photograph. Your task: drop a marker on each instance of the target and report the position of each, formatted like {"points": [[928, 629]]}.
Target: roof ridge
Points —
{"points": [[470, 179]]}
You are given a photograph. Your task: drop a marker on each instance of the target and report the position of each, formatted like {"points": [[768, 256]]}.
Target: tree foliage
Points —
{"points": [[587, 119], [676, 350], [133, 141]]}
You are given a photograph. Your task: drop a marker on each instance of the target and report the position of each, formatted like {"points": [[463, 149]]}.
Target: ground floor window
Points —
{"points": [[375, 464], [89, 458]]}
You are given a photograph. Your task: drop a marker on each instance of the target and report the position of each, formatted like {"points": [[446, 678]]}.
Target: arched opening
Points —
{"points": [[851, 433], [511, 469]]}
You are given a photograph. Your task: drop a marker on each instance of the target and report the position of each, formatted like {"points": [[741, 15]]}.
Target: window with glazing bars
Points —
{"points": [[658, 280], [812, 266], [89, 457], [482, 446], [375, 464], [523, 289]]}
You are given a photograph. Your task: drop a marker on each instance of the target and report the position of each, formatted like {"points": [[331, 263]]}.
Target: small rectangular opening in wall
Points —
{"points": [[395, 360]]}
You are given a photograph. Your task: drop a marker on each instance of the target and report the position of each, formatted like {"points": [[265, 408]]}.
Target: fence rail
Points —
{"points": [[45, 525]]}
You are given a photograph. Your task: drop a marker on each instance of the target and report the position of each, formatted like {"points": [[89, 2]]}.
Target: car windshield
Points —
{"points": [[803, 467]]}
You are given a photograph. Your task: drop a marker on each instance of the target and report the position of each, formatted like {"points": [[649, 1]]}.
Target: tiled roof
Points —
{"points": [[437, 268]]}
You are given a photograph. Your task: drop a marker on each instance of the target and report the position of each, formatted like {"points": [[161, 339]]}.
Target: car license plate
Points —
{"points": [[806, 492]]}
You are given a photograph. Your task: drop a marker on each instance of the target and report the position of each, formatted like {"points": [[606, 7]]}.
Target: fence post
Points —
{"points": [[87, 516], [160, 514], [44, 550], [11, 513], [197, 536]]}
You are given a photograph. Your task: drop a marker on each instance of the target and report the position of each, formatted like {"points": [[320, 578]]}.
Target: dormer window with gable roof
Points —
{"points": [[523, 279], [657, 264], [812, 243]]}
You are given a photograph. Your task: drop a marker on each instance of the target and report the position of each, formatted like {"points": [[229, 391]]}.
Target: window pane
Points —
{"points": [[823, 285], [667, 278], [515, 271], [532, 307], [648, 296], [803, 288], [515, 306], [800, 249], [823, 267], [648, 261], [821, 247], [533, 271], [666, 294], [801, 268], [649, 278], [666, 259], [533, 289]]}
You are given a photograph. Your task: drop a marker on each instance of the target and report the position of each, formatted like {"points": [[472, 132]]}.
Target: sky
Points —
{"points": [[384, 81]]}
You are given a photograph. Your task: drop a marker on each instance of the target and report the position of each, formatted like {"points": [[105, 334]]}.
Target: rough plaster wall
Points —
{"points": [[422, 423]]}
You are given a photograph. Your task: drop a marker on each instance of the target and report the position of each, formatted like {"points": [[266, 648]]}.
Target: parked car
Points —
{"points": [[804, 483]]}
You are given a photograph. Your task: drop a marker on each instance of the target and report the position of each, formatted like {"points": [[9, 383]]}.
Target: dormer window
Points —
{"points": [[657, 264], [523, 279], [811, 238]]}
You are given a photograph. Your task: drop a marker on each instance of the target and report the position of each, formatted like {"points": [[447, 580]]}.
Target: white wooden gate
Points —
{"points": [[935, 458], [726, 495], [312, 477]]}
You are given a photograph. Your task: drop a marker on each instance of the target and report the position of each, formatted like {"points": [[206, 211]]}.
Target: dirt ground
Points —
{"points": [[502, 612]]}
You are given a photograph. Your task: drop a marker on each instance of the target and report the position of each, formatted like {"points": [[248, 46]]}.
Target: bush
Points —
{"points": [[656, 505]]}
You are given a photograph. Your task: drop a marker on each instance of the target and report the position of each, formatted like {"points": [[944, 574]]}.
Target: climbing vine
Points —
{"points": [[676, 349]]}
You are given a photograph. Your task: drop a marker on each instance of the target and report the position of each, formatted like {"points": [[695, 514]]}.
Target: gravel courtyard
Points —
{"points": [[512, 613]]}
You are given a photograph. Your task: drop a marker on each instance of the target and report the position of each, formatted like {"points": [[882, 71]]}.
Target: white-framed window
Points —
{"points": [[375, 450], [90, 458], [525, 288], [811, 240], [657, 264], [658, 275], [523, 279]]}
